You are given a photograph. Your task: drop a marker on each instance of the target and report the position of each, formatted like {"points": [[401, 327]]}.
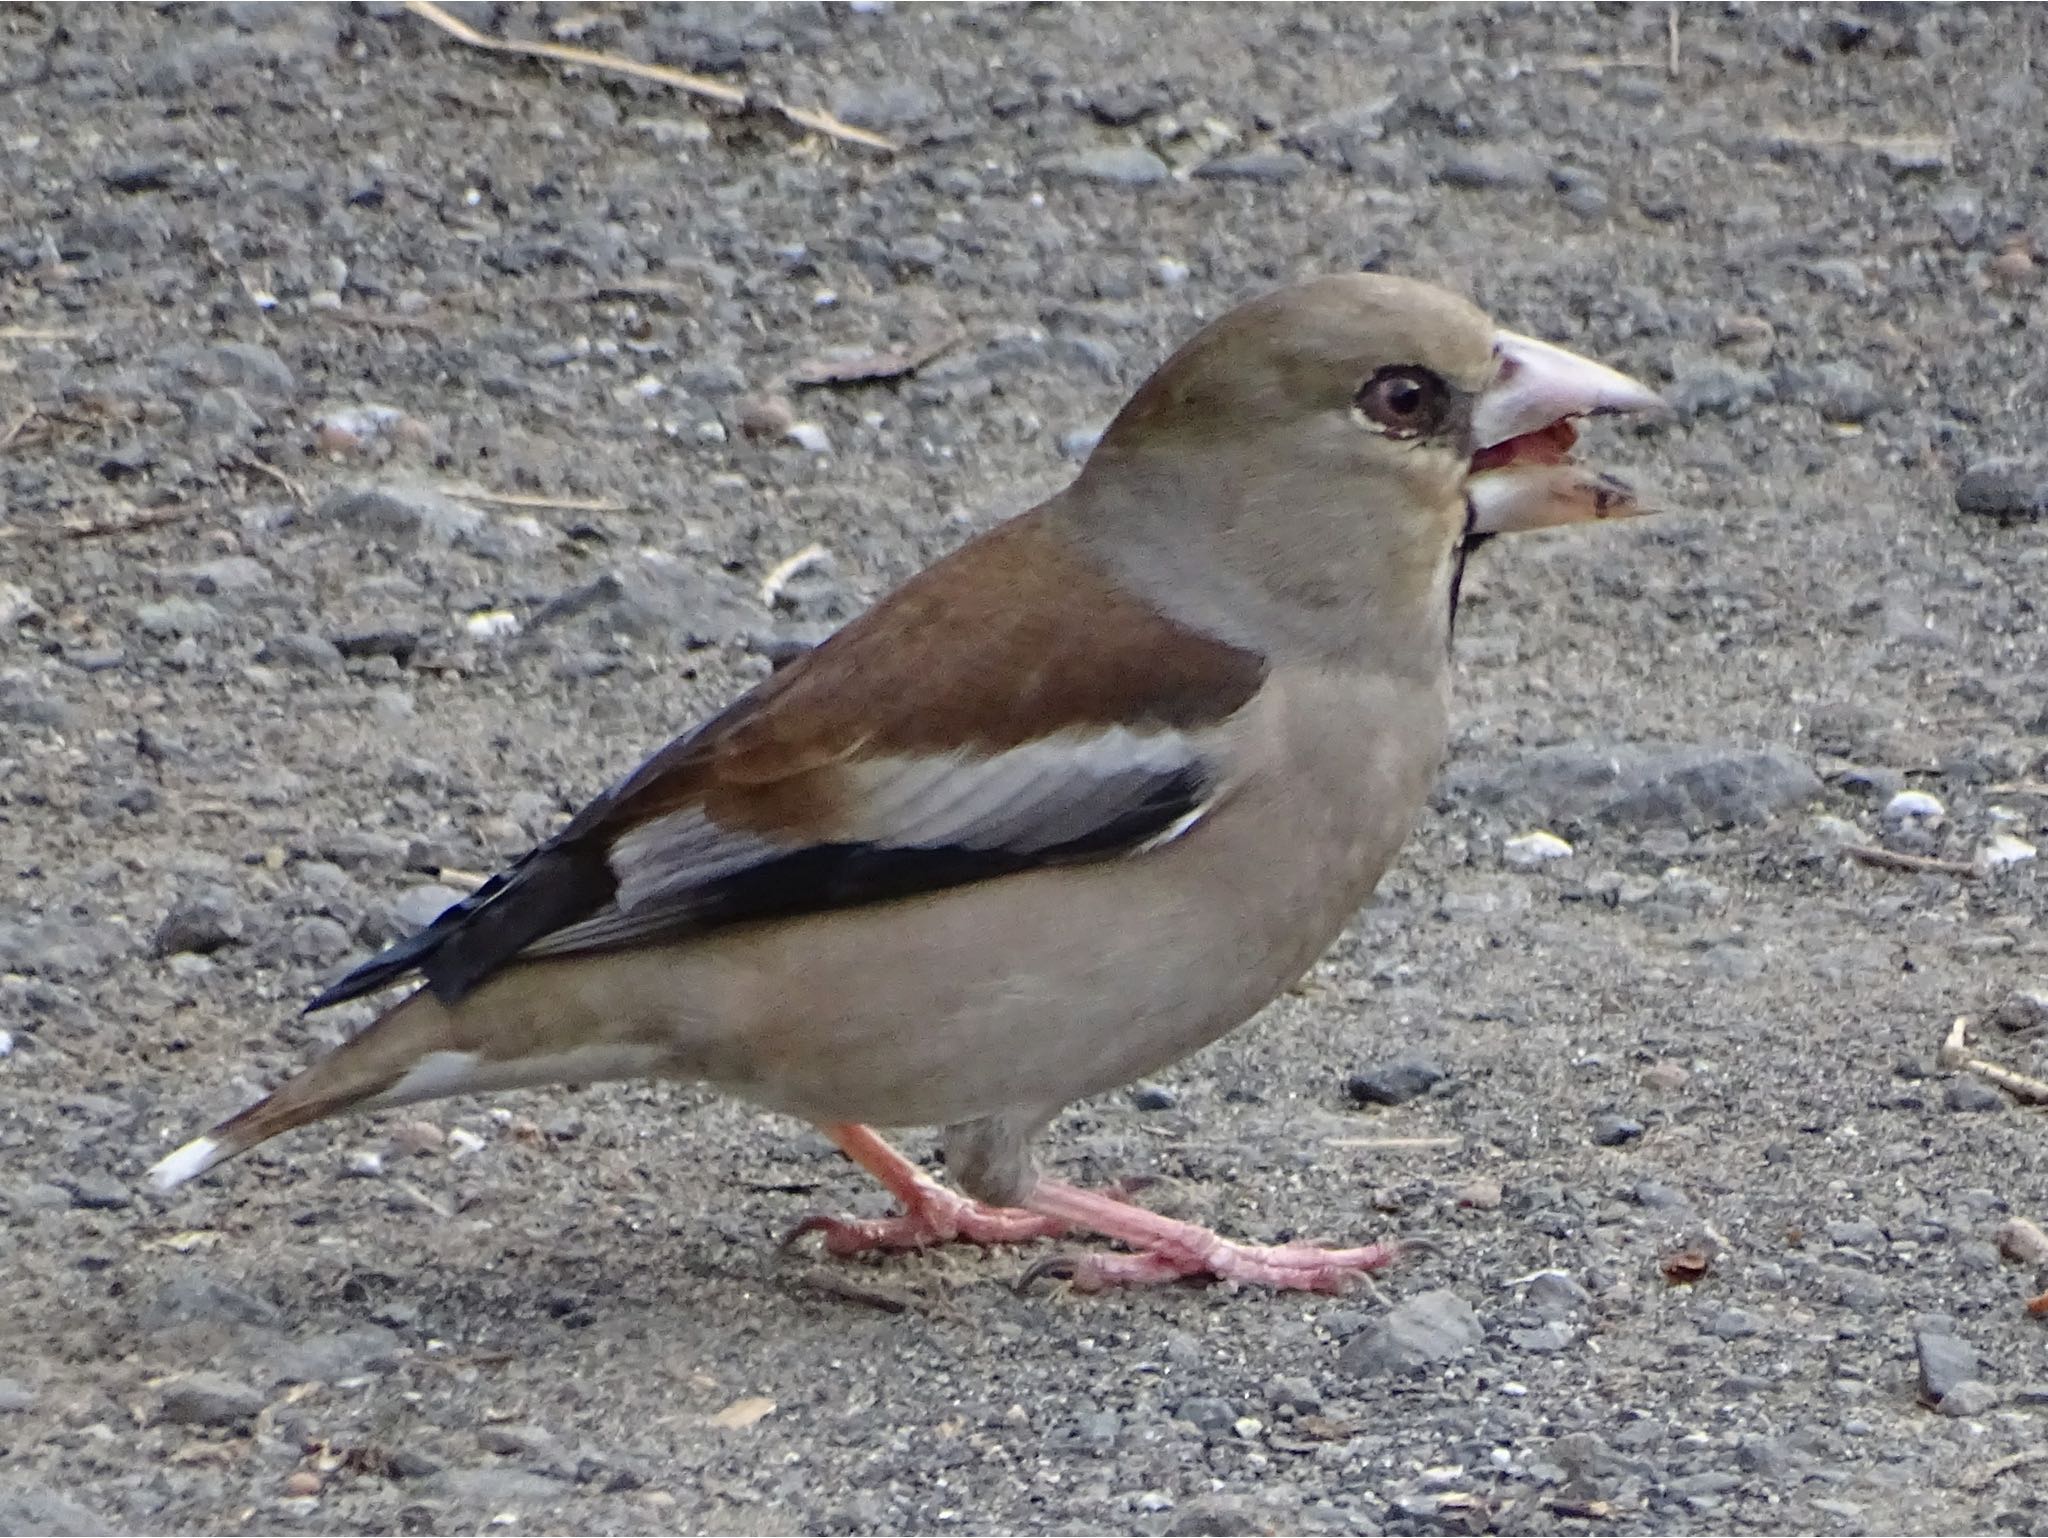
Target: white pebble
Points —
{"points": [[809, 437], [366, 1164], [647, 387], [6, 1042], [491, 624], [1168, 273], [1533, 849], [462, 1142], [1916, 805], [17, 603], [711, 432], [2004, 850]]}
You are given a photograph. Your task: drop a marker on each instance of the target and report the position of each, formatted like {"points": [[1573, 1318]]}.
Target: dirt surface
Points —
{"points": [[285, 288]]}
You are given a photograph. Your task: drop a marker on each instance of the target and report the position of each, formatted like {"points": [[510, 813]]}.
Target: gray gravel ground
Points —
{"points": [[1712, 1222]]}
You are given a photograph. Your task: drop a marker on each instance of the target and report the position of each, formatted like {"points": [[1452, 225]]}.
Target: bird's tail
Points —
{"points": [[407, 1054]]}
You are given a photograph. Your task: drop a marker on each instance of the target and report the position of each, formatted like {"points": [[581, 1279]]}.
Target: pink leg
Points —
{"points": [[931, 1214], [1166, 1250]]}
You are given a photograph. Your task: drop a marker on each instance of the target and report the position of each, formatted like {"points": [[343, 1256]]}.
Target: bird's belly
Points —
{"points": [[1030, 991]]}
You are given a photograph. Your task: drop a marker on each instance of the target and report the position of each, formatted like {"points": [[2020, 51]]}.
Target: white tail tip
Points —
{"points": [[179, 1166]]}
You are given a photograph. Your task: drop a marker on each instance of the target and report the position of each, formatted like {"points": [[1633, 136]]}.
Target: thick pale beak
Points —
{"points": [[1522, 474]]}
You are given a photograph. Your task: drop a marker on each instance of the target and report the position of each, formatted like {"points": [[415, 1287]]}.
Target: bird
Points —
{"points": [[1064, 808]]}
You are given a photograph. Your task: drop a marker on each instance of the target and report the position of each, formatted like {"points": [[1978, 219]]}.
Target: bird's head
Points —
{"points": [[1339, 442]]}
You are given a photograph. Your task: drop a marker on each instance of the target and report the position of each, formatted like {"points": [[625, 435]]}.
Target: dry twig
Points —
{"points": [[271, 472], [696, 85], [1955, 1056], [517, 499], [1891, 859]]}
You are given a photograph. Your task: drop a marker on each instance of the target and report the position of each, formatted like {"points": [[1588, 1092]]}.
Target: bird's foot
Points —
{"points": [[1167, 1250], [932, 1216]]}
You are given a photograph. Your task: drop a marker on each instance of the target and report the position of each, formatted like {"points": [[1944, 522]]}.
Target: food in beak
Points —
{"points": [[1522, 475]]}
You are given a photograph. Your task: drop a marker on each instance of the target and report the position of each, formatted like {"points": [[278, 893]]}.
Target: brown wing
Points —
{"points": [[1006, 708]]}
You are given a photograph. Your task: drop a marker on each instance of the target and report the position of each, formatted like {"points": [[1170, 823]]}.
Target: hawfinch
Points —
{"points": [[1064, 808]]}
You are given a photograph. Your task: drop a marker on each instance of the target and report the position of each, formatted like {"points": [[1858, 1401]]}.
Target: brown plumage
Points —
{"points": [[1064, 808]]}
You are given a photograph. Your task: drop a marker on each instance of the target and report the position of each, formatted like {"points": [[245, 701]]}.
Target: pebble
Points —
{"points": [[1430, 1327], [2003, 850], [1611, 1130], [809, 437], [1151, 1097], [1915, 806], [1734, 1324], [1556, 1295], [26, 1508], [2024, 1241], [1945, 1361], [15, 1397], [400, 510], [1529, 850], [1211, 1416], [194, 1297], [1969, 1397], [1637, 789], [96, 1193], [209, 1399], [1715, 387], [334, 1355], [1481, 1195], [201, 923], [1394, 1083], [1271, 166], [1112, 165], [2008, 489], [1972, 1096], [2022, 1011], [178, 617], [1491, 165]]}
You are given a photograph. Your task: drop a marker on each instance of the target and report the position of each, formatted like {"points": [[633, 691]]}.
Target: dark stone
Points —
{"points": [[209, 1399], [1395, 1082], [200, 923], [2008, 489], [1113, 165], [1255, 166], [1430, 1327], [1945, 1361], [1612, 1131], [1637, 788]]}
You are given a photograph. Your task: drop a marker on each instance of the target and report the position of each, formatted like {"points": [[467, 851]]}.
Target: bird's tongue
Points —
{"points": [[1550, 445]]}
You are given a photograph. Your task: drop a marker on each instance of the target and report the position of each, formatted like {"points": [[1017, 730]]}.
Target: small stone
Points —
{"points": [[1394, 1083], [1666, 1078], [1112, 165], [1211, 1416], [1945, 1362], [1151, 1097], [1491, 165], [809, 437], [1556, 1296], [1734, 1324], [1079, 442], [418, 1137], [1271, 166], [178, 617], [1481, 1195], [1715, 387], [2003, 850], [27, 1508], [209, 1399], [1430, 1327], [2023, 1011], [193, 1297], [1168, 273], [96, 1193], [1611, 1130], [1972, 1097], [2024, 1241], [300, 1483], [766, 416], [312, 652], [2007, 489], [200, 923], [334, 1355], [1969, 1397], [1533, 849], [1914, 806]]}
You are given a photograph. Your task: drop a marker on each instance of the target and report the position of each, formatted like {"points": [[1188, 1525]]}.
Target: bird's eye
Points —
{"points": [[1405, 402]]}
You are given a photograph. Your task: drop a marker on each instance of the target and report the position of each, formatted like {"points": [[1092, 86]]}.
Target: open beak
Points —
{"points": [[1522, 475]]}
